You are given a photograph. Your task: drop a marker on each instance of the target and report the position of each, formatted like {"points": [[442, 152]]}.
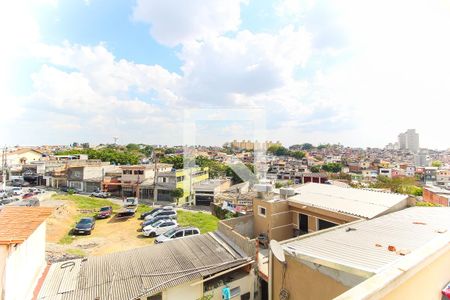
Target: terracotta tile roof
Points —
{"points": [[23, 150], [17, 223]]}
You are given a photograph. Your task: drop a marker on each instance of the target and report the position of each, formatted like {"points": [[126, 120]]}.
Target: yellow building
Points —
{"points": [[183, 179], [250, 145]]}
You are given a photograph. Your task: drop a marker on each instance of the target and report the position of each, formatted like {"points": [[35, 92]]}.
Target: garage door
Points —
{"points": [[203, 200]]}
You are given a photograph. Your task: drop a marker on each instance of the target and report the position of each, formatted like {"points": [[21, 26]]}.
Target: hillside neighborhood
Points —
{"points": [[80, 227]]}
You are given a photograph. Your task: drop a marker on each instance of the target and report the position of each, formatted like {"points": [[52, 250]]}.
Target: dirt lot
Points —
{"points": [[110, 235]]}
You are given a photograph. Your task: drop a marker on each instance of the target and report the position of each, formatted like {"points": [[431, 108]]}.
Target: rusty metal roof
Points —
{"points": [[139, 272]]}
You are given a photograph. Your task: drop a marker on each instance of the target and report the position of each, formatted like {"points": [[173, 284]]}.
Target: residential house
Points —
{"points": [[189, 268], [385, 172], [87, 178], [429, 175], [205, 191], [138, 180], [369, 174], [313, 207], [22, 156], [22, 250], [436, 195], [443, 177], [401, 255], [184, 179]]}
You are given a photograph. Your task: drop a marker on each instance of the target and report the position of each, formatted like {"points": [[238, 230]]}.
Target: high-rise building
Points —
{"points": [[409, 140]]}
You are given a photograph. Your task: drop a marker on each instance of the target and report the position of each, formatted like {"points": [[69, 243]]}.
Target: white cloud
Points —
{"points": [[176, 22], [227, 69]]}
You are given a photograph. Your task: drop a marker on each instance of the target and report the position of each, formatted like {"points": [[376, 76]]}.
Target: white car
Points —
{"points": [[16, 191], [159, 228], [177, 233], [169, 213]]}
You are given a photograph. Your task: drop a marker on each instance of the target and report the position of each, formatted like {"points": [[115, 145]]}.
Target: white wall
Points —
{"points": [[184, 291], [24, 266], [246, 285]]}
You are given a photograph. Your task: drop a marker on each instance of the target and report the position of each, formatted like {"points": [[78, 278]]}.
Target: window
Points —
{"points": [[245, 296], [262, 211], [188, 232], [303, 223], [138, 172], [127, 172], [322, 224], [235, 292], [155, 297], [179, 234]]}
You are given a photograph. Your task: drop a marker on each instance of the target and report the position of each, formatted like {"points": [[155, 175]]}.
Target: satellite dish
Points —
{"points": [[277, 251]]}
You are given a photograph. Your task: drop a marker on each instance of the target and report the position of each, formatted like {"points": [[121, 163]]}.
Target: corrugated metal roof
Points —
{"points": [[365, 246], [139, 272], [358, 202]]}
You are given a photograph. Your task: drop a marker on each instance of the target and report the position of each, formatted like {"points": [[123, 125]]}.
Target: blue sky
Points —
{"points": [[354, 72]]}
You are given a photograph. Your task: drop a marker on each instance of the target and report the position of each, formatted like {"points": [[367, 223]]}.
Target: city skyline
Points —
{"points": [[323, 73]]}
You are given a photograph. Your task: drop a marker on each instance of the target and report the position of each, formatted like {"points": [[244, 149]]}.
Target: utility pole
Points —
{"points": [[4, 167], [155, 160]]}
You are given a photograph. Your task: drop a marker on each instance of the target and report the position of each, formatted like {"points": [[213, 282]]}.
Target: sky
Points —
{"points": [[166, 72]]}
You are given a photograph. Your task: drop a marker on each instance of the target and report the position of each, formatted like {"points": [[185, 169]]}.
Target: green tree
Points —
{"points": [[314, 169], [307, 146], [177, 194], [175, 160], [332, 167], [216, 168], [235, 178], [133, 147], [298, 154], [436, 163], [112, 155]]}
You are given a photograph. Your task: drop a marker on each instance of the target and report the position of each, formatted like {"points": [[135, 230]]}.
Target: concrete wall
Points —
{"points": [[425, 284], [303, 282], [3, 257], [24, 266], [244, 239], [184, 291], [281, 221], [246, 285], [277, 223]]}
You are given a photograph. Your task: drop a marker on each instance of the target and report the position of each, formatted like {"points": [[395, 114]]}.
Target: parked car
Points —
{"points": [[166, 213], [101, 194], [16, 191], [177, 233], [69, 190], [3, 194], [104, 212], [128, 209], [153, 221], [144, 214], [85, 225], [159, 227], [27, 195]]}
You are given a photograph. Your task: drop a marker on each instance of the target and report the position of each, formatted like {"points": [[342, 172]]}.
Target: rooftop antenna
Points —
{"points": [[277, 251]]}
